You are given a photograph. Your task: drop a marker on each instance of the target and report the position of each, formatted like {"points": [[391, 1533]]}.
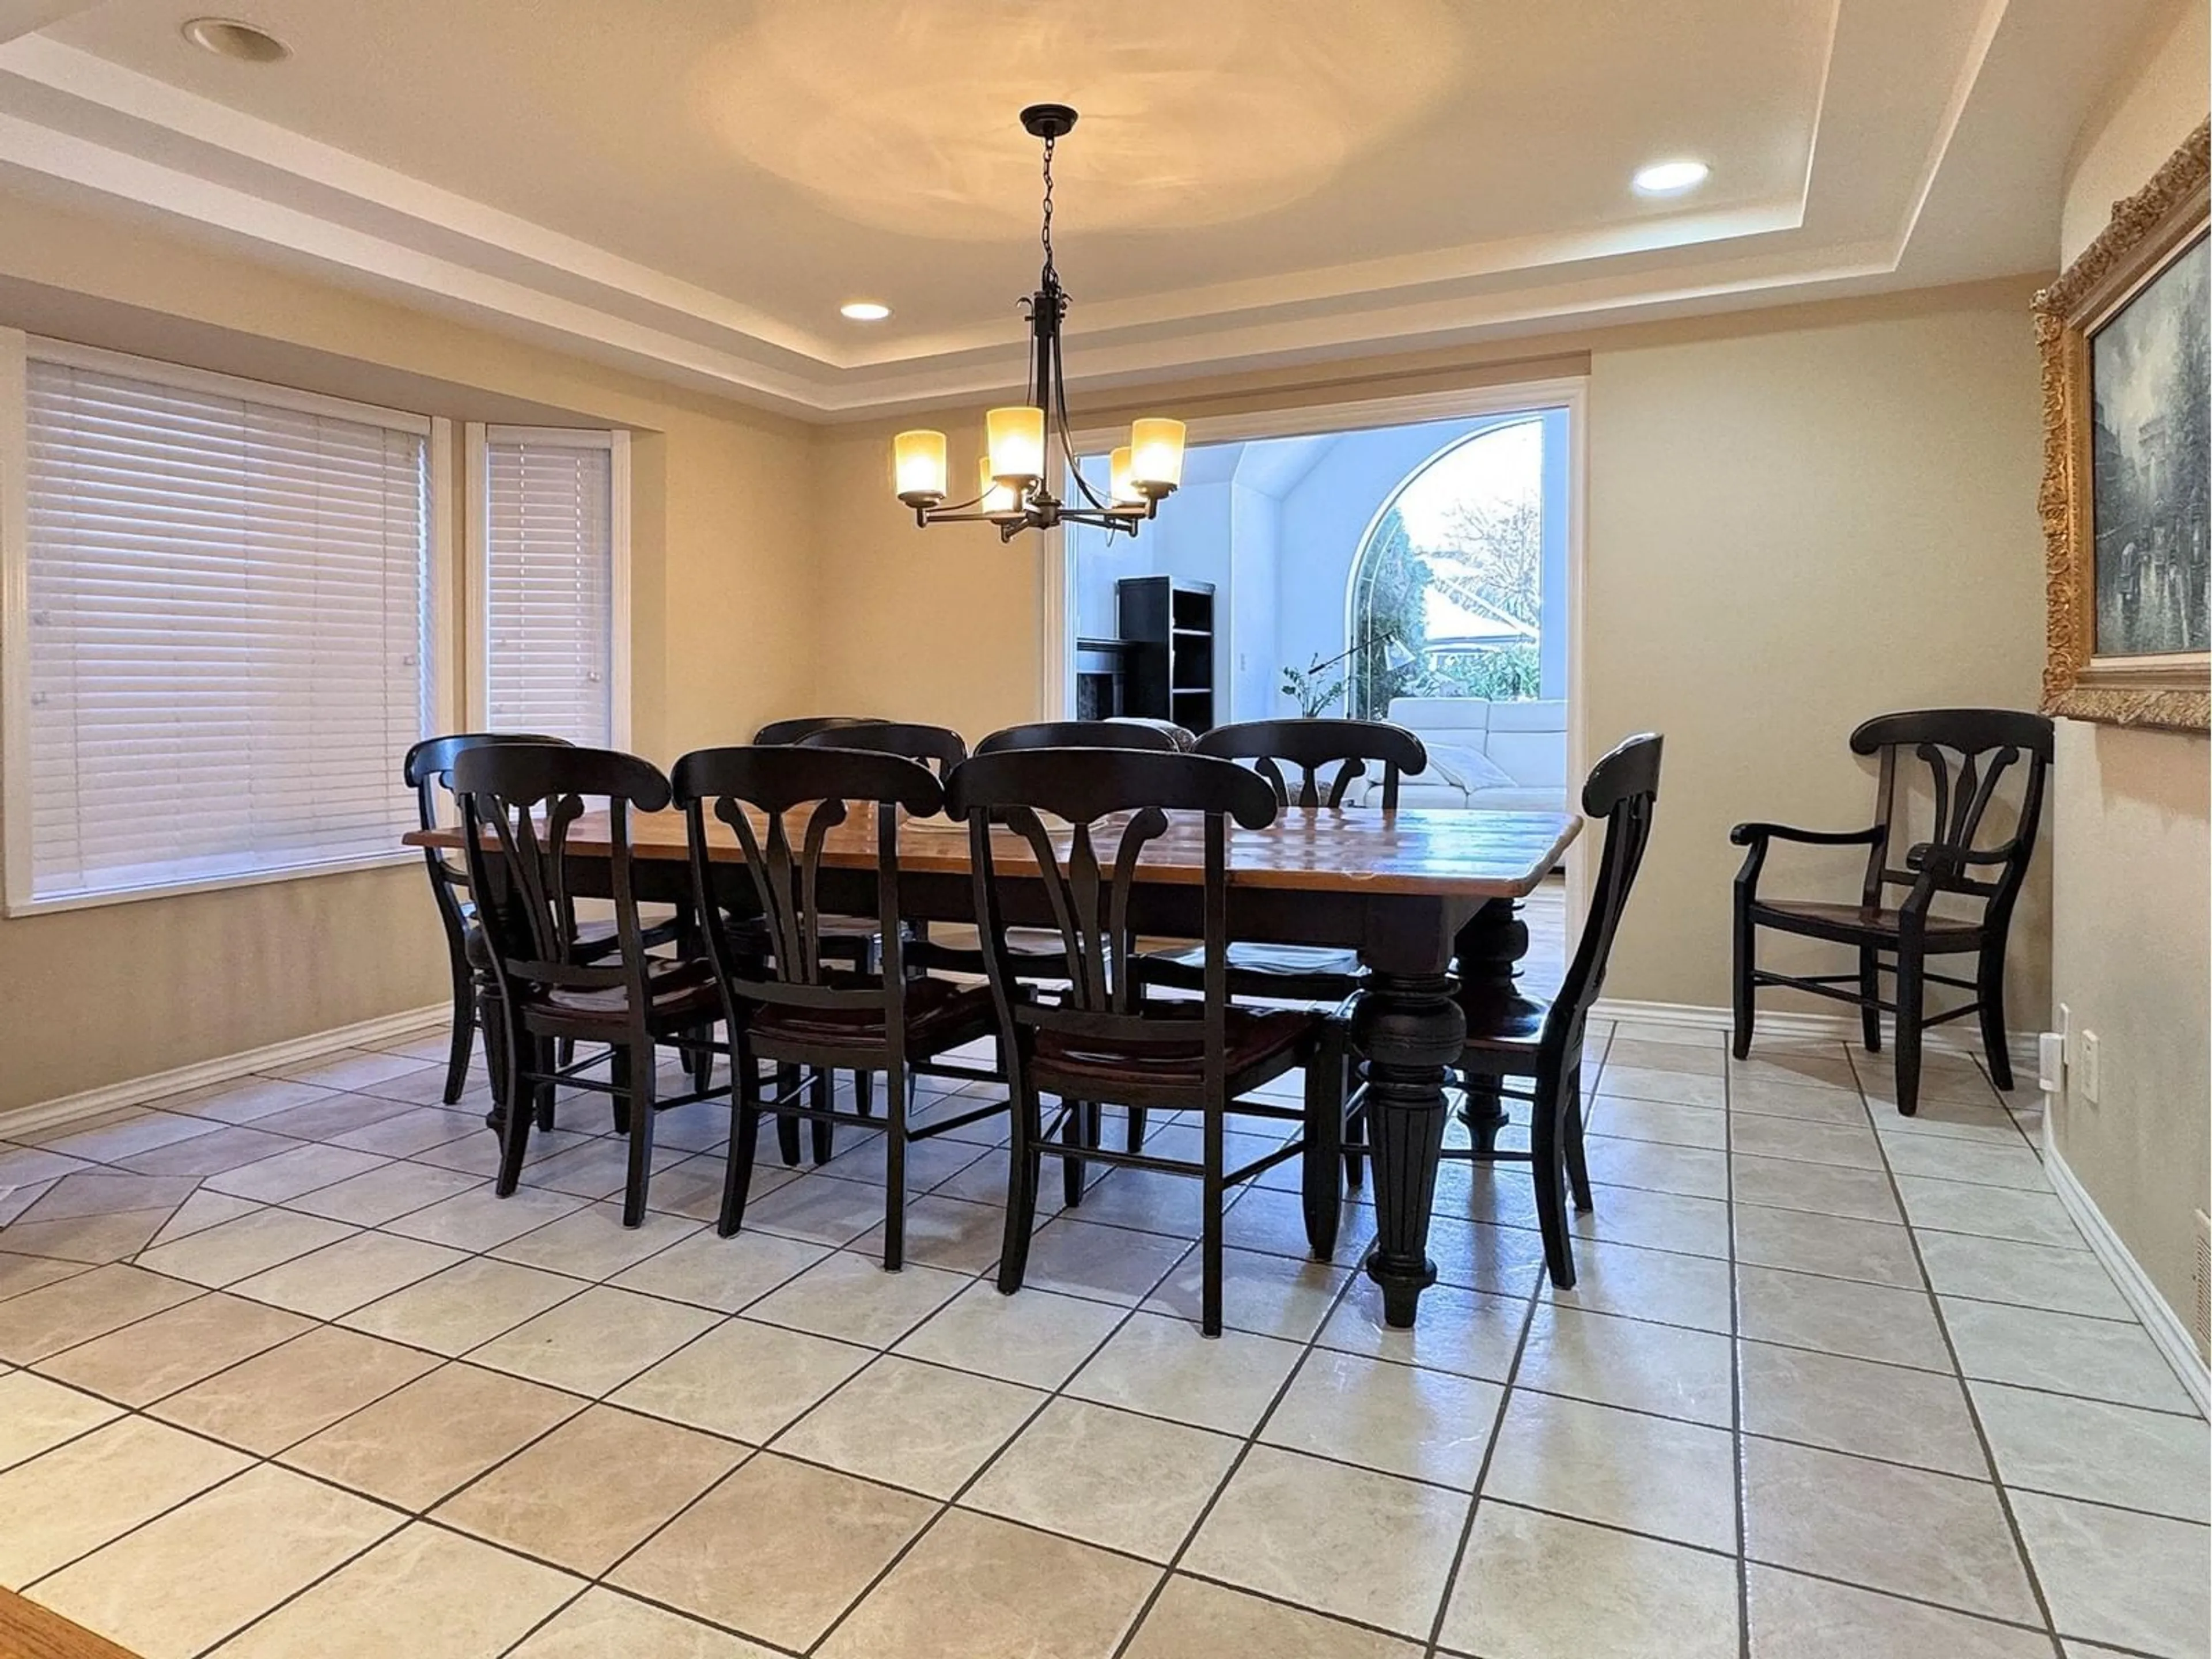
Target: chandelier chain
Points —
{"points": [[1050, 272]]}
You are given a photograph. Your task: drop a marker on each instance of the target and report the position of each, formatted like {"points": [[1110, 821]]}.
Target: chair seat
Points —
{"points": [[1503, 1030], [679, 992], [940, 1015], [1852, 923], [1256, 1040], [1296, 971]]}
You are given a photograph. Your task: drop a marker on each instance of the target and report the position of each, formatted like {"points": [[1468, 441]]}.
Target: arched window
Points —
{"points": [[1447, 592]]}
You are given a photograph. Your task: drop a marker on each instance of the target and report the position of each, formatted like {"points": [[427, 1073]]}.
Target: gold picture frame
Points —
{"points": [[2150, 234]]}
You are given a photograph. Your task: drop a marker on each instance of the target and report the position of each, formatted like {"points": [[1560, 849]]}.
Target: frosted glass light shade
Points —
{"points": [[1122, 489], [997, 497], [918, 464], [1016, 436], [1156, 455]]}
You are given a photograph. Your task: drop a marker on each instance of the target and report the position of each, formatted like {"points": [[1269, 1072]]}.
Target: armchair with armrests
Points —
{"points": [[1967, 753]]}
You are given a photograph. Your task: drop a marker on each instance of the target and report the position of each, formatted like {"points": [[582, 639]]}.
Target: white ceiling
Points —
{"points": [[693, 186]]}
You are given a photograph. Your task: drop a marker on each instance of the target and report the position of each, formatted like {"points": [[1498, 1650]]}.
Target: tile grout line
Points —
{"points": [[1936, 1307], [1736, 1426]]}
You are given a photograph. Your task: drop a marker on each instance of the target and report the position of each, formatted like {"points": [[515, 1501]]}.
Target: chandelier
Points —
{"points": [[1014, 478]]}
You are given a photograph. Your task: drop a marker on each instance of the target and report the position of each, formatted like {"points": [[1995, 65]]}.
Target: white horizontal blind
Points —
{"points": [[549, 588], [228, 641]]}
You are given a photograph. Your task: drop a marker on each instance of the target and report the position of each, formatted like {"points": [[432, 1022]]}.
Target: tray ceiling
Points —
{"points": [[693, 187]]}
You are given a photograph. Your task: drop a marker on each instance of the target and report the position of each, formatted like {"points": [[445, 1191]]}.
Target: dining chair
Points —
{"points": [[1102, 1040], [1115, 734], [519, 805], [1280, 750], [1531, 1049], [428, 768], [1967, 753], [930, 745], [788, 1008]]}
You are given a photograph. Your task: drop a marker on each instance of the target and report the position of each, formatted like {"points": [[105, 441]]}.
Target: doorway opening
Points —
{"points": [[1419, 570]]}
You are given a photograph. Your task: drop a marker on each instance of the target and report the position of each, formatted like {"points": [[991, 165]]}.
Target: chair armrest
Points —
{"points": [[1925, 855], [1746, 835]]}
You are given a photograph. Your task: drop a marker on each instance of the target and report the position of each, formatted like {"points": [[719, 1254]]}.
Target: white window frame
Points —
{"points": [[477, 553], [17, 349]]}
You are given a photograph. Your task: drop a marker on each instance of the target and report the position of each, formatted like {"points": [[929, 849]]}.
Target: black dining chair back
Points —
{"points": [[783, 804], [1141, 735], [1101, 1041], [795, 731], [520, 803], [428, 770], [936, 745], [1622, 790], [1967, 753], [1309, 748]]}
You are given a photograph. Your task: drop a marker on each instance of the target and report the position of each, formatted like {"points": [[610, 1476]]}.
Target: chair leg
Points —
{"points": [[1024, 1167], [1548, 1165], [622, 1073], [1209, 1238], [1910, 992], [1746, 939], [547, 1056], [864, 1093], [894, 1175], [1990, 992], [1136, 1129], [515, 1120], [744, 1140], [464, 1033], [786, 1127], [1870, 997], [825, 1133], [644, 1085], [1355, 1128], [701, 1061], [1578, 1170], [1071, 1136], [1320, 1178]]}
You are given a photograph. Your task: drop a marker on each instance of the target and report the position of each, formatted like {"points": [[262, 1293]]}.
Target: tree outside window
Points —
{"points": [[1452, 575]]}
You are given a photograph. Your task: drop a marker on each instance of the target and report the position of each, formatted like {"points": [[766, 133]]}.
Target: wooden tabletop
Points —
{"points": [[1456, 853]]}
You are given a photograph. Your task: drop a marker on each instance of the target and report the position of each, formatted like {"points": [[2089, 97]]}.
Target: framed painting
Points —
{"points": [[2127, 364]]}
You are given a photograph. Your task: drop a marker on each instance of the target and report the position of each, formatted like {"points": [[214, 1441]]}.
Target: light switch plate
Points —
{"points": [[2088, 1074]]}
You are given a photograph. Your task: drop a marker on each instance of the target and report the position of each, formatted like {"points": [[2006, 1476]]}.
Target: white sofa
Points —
{"points": [[1496, 757]]}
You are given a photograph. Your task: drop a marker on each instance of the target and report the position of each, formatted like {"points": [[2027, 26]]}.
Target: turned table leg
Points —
{"points": [[1486, 955], [1410, 1029]]}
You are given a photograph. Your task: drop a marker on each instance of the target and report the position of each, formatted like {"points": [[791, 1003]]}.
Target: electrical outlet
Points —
{"points": [[2089, 1071]]}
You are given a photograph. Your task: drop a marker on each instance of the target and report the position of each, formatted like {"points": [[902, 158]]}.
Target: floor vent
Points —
{"points": [[2201, 1313]]}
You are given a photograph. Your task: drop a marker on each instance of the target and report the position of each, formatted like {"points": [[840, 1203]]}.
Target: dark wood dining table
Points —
{"points": [[1425, 896]]}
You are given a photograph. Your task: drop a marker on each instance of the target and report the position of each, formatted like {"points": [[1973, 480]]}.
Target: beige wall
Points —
{"points": [[722, 616], [1796, 519], [2131, 954]]}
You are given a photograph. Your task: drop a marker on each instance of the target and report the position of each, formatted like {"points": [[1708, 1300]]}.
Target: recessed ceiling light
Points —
{"points": [[226, 38], [865, 310], [1670, 178]]}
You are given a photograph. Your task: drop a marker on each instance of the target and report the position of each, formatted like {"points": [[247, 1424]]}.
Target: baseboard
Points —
{"points": [[1794, 1022], [137, 1091], [2165, 1325]]}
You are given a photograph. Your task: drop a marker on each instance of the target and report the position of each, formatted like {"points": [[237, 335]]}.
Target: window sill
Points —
{"points": [[17, 909]]}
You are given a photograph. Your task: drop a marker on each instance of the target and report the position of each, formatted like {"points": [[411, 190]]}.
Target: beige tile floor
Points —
{"points": [[279, 1377]]}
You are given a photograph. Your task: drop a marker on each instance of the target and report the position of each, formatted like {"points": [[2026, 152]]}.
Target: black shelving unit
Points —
{"points": [[1167, 626]]}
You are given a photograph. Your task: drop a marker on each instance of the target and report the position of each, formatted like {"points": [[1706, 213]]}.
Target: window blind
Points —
{"points": [[228, 641], [549, 588]]}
